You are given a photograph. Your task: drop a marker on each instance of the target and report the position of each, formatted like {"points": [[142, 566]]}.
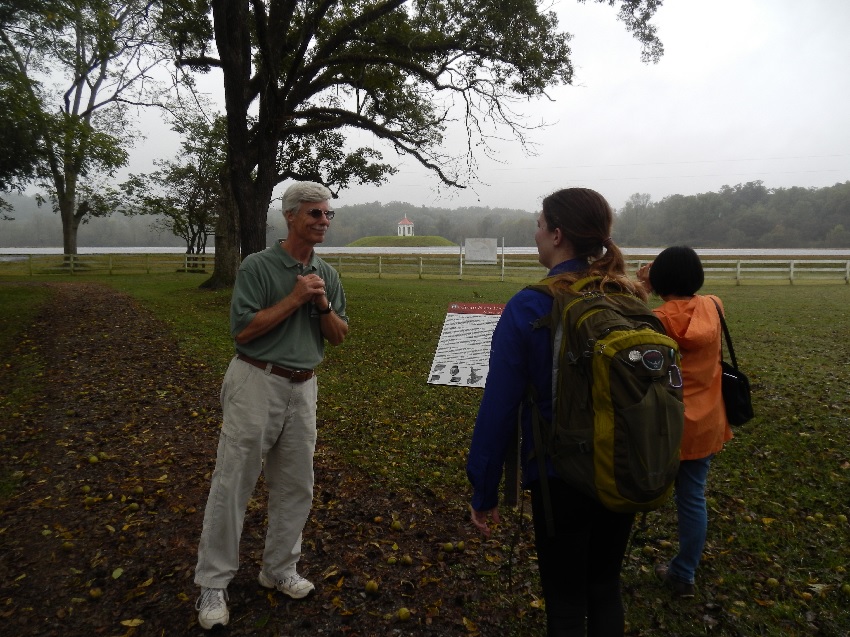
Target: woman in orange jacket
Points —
{"points": [[693, 321]]}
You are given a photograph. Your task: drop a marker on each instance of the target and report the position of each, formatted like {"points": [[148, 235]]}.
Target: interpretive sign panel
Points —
{"points": [[463, 352], [483, 251]]}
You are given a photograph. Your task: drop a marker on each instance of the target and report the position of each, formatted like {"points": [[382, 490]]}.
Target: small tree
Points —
{"points": [[185, 194]]}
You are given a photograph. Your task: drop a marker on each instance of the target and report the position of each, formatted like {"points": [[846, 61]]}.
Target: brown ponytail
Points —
{"points": [[585, 219]]}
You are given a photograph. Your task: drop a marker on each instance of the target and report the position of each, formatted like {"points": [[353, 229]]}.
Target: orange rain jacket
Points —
{"points": [[695, 325]]}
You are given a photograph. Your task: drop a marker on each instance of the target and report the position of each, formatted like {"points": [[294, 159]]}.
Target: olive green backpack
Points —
{"points": [[617, 404]]}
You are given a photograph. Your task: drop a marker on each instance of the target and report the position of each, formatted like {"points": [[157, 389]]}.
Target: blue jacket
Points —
{"points": [[519, 355]]}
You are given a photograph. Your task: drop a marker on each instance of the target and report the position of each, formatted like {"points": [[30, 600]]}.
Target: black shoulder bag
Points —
{"points": [[735, 384]]}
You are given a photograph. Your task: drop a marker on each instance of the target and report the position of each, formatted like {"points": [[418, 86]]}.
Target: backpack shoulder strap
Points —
{"points": [[544, 288], [588, 281]]}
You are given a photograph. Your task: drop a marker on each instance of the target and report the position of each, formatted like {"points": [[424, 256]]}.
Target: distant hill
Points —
{"points": [[400, 242]]}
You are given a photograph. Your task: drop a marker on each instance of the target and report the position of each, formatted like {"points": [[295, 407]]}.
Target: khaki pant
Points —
{"points": [[269, 425]]}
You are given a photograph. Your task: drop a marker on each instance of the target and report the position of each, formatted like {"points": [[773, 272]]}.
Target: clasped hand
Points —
{"points": [[309, 288]]}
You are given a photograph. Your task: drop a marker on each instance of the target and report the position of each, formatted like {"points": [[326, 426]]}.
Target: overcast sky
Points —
{"points": [[746, 90]]}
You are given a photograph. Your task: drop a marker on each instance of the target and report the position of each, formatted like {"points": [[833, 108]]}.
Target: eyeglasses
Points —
{"points": [[317, 213]]}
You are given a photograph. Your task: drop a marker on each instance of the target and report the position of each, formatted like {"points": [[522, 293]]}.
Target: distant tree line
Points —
{"points": [[376, 219], [742, 216], [34, 226]]}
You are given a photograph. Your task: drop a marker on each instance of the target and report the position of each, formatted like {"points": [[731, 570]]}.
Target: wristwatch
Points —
{"points": [[327, 310]]}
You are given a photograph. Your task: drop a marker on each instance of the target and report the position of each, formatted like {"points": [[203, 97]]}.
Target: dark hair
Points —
{"points": [[676, 271], [585, 219]]}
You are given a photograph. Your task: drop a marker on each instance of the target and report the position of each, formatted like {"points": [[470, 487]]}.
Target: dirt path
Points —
{"points": [[112, 454]]}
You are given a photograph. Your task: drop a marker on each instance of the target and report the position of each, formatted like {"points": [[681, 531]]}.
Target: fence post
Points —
{"points": [[420, 267], [502, 277], [738, 273], [380, 266], [791, 273], [460, 262], [847, 272]]}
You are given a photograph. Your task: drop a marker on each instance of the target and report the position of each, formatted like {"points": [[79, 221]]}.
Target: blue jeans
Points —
{"points": [[693, 517]]}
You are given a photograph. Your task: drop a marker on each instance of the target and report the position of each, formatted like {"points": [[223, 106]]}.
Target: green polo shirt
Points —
{"points": [[264, 278]]}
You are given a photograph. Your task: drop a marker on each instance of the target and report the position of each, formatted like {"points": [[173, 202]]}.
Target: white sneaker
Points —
{"points": [[212, 607], [294, 585]]}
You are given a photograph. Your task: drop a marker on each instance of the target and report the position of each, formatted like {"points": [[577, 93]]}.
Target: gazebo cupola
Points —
{"points": [[405, 227]]}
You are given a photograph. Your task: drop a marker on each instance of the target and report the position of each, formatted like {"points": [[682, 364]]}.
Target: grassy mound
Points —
{"points": [[400, 242]]}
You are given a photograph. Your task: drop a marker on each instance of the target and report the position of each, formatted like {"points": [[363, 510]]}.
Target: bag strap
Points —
{"points": [[728, 337], [537, 435], [512, 465], [587, 281]]}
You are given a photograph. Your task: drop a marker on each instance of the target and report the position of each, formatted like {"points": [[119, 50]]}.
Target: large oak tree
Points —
{"points": [[297, 73]]}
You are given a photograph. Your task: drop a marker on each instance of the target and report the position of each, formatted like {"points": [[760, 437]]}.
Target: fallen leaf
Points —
{"points": [[131, 623]]}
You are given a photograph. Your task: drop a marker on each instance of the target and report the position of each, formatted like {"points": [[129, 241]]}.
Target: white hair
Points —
{"points": [[302, 191]]}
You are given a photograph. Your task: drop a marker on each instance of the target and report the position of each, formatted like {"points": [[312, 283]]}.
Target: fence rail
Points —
{"points": [[791, 270], [75, 264], [509, 267]]}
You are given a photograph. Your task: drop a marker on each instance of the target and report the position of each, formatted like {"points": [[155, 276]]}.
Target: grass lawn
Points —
{"points": [[779, 495]]}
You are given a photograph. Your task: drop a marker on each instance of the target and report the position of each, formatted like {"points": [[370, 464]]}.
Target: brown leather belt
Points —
{"points": [[294, 375]]}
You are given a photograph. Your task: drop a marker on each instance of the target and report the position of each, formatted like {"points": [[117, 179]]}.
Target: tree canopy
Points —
{"points": [[296, 74], [18, 145], [746, 215], [78, 67]]}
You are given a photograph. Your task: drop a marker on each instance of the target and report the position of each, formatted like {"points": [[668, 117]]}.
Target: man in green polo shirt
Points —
{"points": [[286, 303]]}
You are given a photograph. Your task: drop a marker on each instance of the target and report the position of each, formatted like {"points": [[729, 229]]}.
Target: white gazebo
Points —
{"points": [[405, 227]]}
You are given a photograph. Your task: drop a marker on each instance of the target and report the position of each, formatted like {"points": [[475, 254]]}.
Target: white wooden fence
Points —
{"points": [[511, 267], [753, 269], [109, 264]]}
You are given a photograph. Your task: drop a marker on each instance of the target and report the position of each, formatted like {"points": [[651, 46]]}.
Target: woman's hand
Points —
{"points": [[479, 519], [643, 277]]}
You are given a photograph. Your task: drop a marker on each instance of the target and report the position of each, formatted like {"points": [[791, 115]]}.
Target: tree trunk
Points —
{"points": [[70, 225], [251, 157], [227, 255]]}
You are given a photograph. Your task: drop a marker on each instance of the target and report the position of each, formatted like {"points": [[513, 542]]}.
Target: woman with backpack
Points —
{"points": [[693, 321], [580, 563]]}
